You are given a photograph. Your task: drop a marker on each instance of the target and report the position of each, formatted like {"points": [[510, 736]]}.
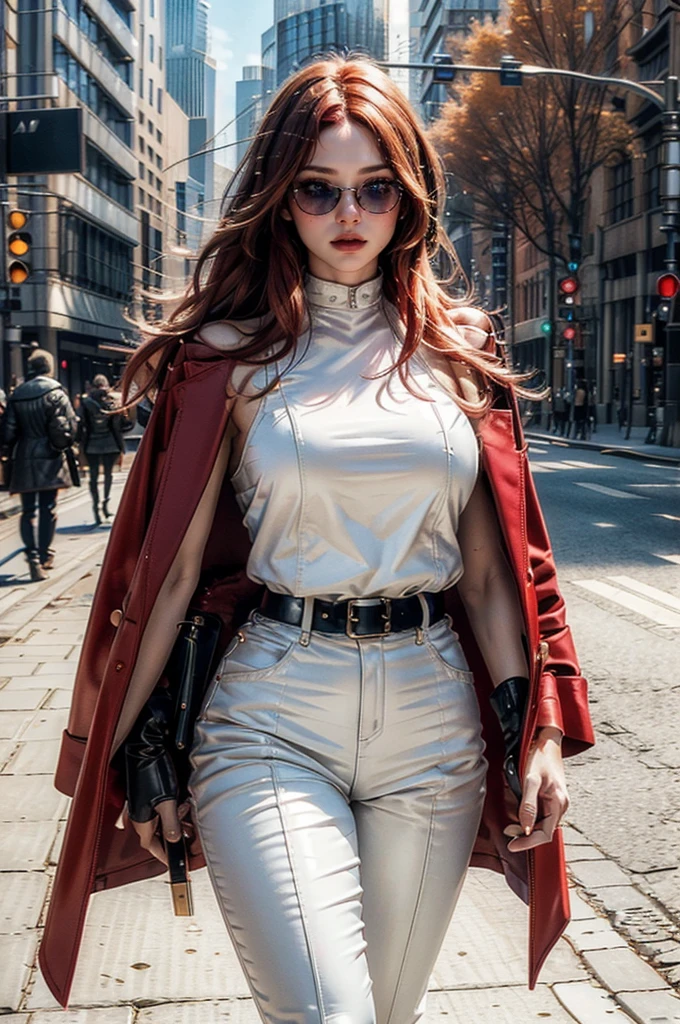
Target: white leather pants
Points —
{"points": [[337, 790]]}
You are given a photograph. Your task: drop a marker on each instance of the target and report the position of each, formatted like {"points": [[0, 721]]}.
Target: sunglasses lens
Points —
{"points": [[316, 198], [378, 196]]}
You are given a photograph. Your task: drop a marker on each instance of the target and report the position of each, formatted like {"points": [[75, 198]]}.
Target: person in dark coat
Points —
{"points": [[38, 426], [103, 441]]}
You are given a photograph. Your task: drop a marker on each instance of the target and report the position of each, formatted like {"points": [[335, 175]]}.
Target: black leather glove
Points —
{"points": [[150, 772], [509, 701]]}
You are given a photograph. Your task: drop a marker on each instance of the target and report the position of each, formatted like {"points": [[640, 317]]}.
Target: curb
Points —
{"points": [[624, 937], [604, 449]]}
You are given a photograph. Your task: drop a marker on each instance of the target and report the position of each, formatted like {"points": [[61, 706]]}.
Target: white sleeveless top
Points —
{"points": [[352, 487]]}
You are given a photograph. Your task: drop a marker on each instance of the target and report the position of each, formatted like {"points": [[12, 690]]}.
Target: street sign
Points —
{"points": [[558, 353], [644, 332], [44, 141]]}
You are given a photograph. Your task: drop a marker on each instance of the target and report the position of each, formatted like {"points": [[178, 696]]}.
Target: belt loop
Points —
{"points": [[426, 610], [306, 624]]}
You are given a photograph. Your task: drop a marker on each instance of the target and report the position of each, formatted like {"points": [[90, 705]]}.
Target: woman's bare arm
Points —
{"points": [[487, 589], [173, 599]]}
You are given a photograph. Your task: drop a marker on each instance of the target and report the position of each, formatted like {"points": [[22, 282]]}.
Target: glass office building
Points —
{"points": [[305, 28]]}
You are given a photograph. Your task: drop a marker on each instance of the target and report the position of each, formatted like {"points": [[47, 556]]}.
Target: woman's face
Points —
{"points": [[346, 155]]}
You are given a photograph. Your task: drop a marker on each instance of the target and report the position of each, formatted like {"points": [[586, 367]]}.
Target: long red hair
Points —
{"points": [[253, 265]]}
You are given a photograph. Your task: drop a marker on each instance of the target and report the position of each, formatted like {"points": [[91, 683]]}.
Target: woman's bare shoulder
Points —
{"points": [[224, 334]]}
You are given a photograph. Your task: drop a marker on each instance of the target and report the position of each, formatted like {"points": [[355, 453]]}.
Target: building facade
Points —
{"points": [[111, 241]]}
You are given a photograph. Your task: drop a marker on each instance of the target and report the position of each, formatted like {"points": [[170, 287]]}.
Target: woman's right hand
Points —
{"points": [[169, 820]]}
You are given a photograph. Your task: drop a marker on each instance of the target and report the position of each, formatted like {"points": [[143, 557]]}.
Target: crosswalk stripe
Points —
{"points": [[611, 491], [654, 485], [643, 588], [661, 616], [585, 465], [669, 558], [548, 465], [536, 467]]}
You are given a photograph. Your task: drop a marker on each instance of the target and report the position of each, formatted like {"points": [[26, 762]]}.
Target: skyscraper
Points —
{"points": [[305, 28], [191, 79]]}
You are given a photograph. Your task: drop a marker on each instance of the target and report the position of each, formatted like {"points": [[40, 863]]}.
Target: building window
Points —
{"points": [[149, 126], [152, 8], [151, 92], [621, 192], [159, 184], [160, 58], [151, 48], [90, 92], [159, 161], [93, 259], [141, 146], [107, 177], [141, 82], [159, 135], [141, 169], [149, 177], [159, 103], [141, 117], [142, 197], [150, 152]]}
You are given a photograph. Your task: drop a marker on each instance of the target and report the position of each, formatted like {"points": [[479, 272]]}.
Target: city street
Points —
{"points": [[614, 528]]}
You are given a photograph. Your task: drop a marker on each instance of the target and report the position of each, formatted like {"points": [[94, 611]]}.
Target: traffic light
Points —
{"points": [[667, 287], [443, 71], [19, 243]]}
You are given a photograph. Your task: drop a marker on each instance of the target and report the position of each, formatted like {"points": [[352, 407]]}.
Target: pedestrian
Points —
{"points": [[592, 408], [559, 407], [38, 426], [377, 718], [580, 409], [103, 441]]}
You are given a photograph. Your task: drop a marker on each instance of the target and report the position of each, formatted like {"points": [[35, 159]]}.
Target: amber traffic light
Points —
{"points": [[18, 247]]}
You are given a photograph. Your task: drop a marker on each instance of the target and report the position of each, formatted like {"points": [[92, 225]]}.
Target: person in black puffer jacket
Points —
{"points": [[38, 426], [102, 439]]}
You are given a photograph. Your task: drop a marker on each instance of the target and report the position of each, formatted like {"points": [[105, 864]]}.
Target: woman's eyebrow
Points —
{"points": [[331, 170]]}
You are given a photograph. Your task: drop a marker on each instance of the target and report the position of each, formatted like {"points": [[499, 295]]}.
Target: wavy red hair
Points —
{"points": [[237, 279]]}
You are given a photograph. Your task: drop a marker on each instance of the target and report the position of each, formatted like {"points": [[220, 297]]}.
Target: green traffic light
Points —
{"points": [[546, 327], [572, 266]]}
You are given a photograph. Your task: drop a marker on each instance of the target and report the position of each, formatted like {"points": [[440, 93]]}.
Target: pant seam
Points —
{"points": [[298, 893], [426, 861]]}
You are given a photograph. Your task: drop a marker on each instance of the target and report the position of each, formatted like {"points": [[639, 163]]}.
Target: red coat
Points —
{"points": [[161, 495]]}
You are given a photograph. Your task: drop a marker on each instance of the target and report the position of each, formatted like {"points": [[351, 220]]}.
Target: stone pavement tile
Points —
{"points": [[46, 725], [620, 897], [46, 635], [223, 1011], [16, 667], [573, 837], [30, 798], [37, 757], [58, 843], [576, 853], [104, 1015], [597, 934], [55, 668], [39, 652], [622, 970], [6, 749], [579, 909], [596, 873], [22, 894], [18, 952], [26, 846], [134, 948], [486, 944], [22, 700], [12, 723], [589, 1004], [651, 1007], [60, 698], [506, 1005]]}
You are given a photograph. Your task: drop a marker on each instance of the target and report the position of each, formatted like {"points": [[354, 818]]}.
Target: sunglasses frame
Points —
{"points": [[340, 189]]}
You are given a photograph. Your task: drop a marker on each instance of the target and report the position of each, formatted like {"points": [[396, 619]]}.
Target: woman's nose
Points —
{"points": [[348, 207]]}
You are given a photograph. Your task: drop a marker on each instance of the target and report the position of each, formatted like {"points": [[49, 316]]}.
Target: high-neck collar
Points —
{"points": [[332, 295]]}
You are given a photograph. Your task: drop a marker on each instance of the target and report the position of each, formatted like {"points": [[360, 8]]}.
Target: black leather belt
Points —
{"points": [[358, 617]]}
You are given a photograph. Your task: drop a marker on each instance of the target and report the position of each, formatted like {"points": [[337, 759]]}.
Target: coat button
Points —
{"points": [[119, 666], [116, 617]]}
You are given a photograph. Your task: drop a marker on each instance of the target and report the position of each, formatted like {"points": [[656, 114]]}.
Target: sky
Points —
{"points": [[235, 28]]}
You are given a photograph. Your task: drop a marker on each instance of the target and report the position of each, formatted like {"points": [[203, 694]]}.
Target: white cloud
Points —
{"points": [[221, 47]]}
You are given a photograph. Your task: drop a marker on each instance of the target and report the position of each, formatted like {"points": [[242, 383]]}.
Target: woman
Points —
{"points": [[102, 439], [340, 786]]}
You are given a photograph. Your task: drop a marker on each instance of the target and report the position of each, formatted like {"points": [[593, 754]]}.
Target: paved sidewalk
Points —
{"points": [[608, 437], [141, 965]]}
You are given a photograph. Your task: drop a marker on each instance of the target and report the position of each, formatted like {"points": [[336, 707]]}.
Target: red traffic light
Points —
{"points": [[570, 285], [569, 333], [668, 286]]}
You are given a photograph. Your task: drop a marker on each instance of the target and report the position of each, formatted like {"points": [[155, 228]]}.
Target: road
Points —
{"points": [[615, 527]]}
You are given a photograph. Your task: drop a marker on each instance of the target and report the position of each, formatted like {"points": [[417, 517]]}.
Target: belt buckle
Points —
{"points": [[387, 616]]}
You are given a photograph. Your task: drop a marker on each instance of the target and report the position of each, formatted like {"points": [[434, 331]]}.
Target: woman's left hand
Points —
{"points": [[545, 789]]}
